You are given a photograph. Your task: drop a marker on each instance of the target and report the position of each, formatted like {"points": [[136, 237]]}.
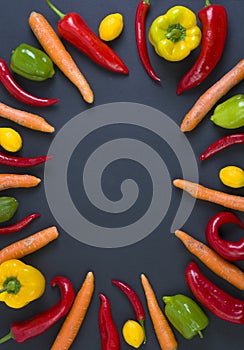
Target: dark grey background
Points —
{"points": [[160, 256]]}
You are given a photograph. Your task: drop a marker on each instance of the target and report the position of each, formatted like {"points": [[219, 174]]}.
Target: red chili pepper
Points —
{"points": [[19, 225], [21, 162], [214, 32], [75, 30], [18, 92], [233, 251], [108, 331], [22, 331], [220, 303], [140, 25], [221, 144]]}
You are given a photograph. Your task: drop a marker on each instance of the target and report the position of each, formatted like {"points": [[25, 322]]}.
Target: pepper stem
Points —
{"points": [[6, 337], [200, 334], [207, 3], [146, 2], [59, 13], [143, 327], [175, 32]]}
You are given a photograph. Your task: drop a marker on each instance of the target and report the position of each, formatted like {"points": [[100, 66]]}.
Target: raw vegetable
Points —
{"points": [[28, 245], [18, 181], [8, 207], [232, 176], [214, 23], [76, 315], [233, 251], [75, 30], [18, 92], [20, 225], [161, 326], [111, 27], [31, 63], [185, 315], [210, 97], [212, 260], [22, 162], [175, 34], [217, 301], [10, 139], [230, 113], [30, 328], [140, 28], [200, 192], [20, 283], [28, 120], [58, 54], [133, 333]]}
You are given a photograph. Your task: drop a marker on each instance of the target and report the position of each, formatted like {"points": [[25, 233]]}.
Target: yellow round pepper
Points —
{"points": [[175, 34], [10, 139], [20, 283], [232, 176], [111, 27], [133, 333]]}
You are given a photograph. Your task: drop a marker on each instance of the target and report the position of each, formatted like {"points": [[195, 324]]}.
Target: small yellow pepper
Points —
{"points": [[111, 27], [175, 34], [133, 333], [20, 283], [232, 176], [10, 139]]}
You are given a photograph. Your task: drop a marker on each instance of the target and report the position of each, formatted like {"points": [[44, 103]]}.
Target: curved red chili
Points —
{"points": [[140, 28], [220, 303], [214, 32], [18, 92], [24, 330], [21, 162], [108, 331], [219, 145], [233, 251], [19, 225]]}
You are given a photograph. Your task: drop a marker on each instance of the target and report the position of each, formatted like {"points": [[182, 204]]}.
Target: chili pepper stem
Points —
{"points": [[144, 330], [146, 2], [207, 3], [59, 13], [6, 337]]}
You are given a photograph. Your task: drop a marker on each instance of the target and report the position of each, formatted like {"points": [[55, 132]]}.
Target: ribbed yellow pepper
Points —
{"points": [[175, 34], [20, 283]]}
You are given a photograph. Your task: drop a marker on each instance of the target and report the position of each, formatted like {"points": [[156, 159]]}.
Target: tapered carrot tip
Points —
{"points": [[184, 127], [178, 183]]}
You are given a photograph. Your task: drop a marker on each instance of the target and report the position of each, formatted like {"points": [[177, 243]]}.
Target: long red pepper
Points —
{"points": [[220, 303], [22, 331], [214, 32], [19, 225], [18, 92], [22, 162], [140, 28], [108, 331], [233, 251], [75, 30], [224, 142]]}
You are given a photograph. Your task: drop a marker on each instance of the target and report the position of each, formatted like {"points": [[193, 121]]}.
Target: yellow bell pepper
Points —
{"points": [[133, 333], [175, 34], [20, 283], [232, 176]]}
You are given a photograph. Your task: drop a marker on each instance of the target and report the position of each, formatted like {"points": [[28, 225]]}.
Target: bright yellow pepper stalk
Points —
{"points": [[175, 34], [20, 283]]}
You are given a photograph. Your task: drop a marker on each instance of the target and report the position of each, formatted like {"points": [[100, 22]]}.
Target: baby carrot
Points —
{"points": [[26, 119], [210, 97], [161, 326], [28, 245], [59, 55], [212, 260], [200, 192], [17, 181], [76, 315]]}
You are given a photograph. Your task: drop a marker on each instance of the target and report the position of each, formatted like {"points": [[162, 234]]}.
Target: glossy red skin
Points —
{"points": [[21, 162], [232, 251], [140, 25], [214, 22], [19, 225], [38, 324], [220, 303], [74, 29], [219, 145], [18, 92]]}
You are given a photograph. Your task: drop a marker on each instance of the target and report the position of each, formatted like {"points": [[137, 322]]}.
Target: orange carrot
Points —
{"points": [[200, 192], [212, 260], [210, 97], [76, 315], [28, 245], [16, 181], [26, 119], [161, 326], [59, 55]]}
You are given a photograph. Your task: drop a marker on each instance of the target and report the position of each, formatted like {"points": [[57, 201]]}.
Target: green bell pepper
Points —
{"points": [[185, 315], [31, 63], [230, 113], [8, 207]]}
